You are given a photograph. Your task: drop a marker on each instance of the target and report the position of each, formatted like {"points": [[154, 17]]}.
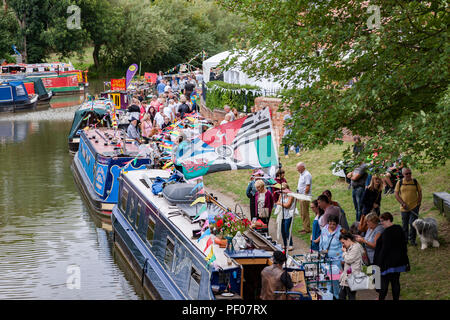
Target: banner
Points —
{"points": [[130, 74], [150, 77], [246, 143], [118, 85]]}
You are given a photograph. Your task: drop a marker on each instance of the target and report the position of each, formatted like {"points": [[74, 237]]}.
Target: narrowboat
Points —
{"points": [[122, 99], [60, 78], [102, 154], [158, 238], [35, 85], [14, 97], [91, 113]]}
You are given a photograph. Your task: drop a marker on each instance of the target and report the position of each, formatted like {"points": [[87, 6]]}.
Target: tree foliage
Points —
{"points": [[163, 33], [10, 28], [399, 99]]}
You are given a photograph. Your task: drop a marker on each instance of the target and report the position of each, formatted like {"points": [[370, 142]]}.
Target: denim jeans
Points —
{"points": [[286, 149], [285, 228], [408, 218], [357, 195]]}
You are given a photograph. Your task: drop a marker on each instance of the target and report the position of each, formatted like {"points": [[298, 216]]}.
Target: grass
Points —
{"points": [[428, 278]]}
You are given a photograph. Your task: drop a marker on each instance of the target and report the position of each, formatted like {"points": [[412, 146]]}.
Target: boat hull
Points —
{"points": [[144, 265], [21, 106], [101, 209]]}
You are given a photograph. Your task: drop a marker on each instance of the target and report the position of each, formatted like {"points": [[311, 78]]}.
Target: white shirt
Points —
{"points": [[159, 119], [168, 112], [223, 122], [304, 179]]}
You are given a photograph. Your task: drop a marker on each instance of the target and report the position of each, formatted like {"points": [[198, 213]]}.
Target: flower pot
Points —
{"points": [[221, 242]]}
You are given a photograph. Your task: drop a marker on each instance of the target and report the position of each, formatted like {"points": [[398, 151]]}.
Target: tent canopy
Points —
{"points": [[213, 62], [235, 74]]}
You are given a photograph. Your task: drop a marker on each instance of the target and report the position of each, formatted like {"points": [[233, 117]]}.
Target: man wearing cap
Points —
{"points": [[272, 280], [304, 187], [132, 130]]}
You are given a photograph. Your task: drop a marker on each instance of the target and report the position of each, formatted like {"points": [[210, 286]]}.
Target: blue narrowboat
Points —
{"points": [[102, 154], [96, 113], [157, 239], [14, 97]]}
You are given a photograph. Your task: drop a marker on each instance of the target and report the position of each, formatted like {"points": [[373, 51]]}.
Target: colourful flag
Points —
{"points": [[130, 74], [198, 185], [245, 143], [208, 243], [206, 233], [202, 214], [199, 199]]}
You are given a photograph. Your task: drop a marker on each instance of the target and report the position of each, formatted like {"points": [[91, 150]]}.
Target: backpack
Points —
{"points": [[401, 182]]}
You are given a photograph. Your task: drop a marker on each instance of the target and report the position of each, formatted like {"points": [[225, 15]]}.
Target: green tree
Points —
{"points": [[101, 19], [399, 99], [161, 34], [9, 27], [43, 29]]}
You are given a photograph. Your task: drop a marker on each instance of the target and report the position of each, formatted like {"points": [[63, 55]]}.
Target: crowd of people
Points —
{"points": [[373, 239], [174, 98]]}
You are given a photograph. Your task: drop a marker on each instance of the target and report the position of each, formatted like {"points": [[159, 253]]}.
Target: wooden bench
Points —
{"points": [[442, 202]]}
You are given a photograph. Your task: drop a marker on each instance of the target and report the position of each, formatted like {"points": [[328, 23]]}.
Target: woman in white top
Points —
{"points": [[227, 119], [288, 204]]}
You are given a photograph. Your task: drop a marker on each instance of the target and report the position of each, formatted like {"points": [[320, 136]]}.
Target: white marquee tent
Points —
{"points": [[236, 75]]}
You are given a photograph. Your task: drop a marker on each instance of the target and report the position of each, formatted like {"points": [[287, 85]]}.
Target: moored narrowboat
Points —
{"points": [[14, 97], [96, 113], [102, 154], [60, 78], [122, 99], [159, 239]]}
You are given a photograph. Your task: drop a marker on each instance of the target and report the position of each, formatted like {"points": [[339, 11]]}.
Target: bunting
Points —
{"points": [[210, 257], [208, 243]]}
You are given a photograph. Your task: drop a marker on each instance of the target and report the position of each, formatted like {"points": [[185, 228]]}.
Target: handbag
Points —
{"points": [[358, 281], [365, 257], [329, 245]]}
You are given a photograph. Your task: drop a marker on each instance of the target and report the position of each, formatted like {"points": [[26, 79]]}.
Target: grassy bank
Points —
{"points": [[429, 274]]}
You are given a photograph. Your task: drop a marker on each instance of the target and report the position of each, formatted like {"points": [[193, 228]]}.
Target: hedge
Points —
{"points": [[220, 93]]}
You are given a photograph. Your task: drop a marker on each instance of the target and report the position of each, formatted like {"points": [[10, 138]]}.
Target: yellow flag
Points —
{"points": [[199, 199], [210, 255]]}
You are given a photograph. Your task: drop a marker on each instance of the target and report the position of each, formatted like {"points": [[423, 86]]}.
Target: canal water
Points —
{"points": [[50, 246]]}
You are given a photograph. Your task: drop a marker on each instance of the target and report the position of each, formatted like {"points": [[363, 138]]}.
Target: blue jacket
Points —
{"points": [[335, 249]]}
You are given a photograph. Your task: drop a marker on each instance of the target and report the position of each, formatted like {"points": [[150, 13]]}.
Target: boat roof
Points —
{"points": [[102, 141], [139, 180]]}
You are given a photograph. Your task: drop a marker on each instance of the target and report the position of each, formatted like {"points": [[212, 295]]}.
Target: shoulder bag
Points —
{"points": [[358, 281]]}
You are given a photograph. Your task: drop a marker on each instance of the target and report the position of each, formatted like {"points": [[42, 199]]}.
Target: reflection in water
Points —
{"points": [[13, 131], [45, 230]]}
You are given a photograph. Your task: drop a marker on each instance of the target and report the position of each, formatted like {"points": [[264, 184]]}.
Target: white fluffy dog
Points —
{"points": [[427, 229]]}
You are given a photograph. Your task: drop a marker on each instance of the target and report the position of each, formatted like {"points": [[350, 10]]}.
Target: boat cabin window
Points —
{"points": [[35, 69], [131, 213], [150, 230], [194, 283], [20, 91], [168, 256], [138, 215], [123, 200]]}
